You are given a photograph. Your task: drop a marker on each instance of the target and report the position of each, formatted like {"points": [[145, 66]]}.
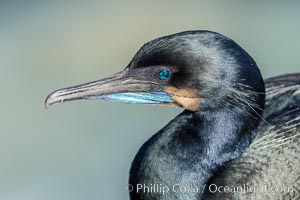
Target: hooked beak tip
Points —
{"points": [[52, 99], [47, 104]]}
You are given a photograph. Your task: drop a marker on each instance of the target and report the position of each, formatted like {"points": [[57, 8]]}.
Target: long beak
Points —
{"points": [[119, 87]]}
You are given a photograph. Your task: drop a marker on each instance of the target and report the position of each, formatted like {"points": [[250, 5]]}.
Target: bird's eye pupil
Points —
{"points": [[164, 74]]}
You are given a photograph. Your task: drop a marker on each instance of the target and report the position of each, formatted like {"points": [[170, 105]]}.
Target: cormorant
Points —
{"points": [[223, 140]]}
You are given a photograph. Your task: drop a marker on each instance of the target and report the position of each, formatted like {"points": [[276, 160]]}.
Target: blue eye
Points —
{"points": [[164, 74]]}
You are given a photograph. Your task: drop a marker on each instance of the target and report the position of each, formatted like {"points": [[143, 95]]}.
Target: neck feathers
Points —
{"points": [[189, 150]]}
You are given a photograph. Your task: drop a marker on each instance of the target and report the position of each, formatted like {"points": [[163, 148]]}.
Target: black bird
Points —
{"points": [[222, 138]]}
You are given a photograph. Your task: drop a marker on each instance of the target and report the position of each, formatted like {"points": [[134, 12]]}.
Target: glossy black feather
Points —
{"points": [[273, 159]]}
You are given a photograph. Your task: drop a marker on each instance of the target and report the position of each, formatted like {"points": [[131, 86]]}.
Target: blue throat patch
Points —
{"points": [[137, 97]]}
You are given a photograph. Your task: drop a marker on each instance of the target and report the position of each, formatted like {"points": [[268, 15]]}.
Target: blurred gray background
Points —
{"points": [[83, 150]]}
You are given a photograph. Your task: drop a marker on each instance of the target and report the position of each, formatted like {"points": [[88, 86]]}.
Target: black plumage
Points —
{"points": [[223, 93], [271, 163]]}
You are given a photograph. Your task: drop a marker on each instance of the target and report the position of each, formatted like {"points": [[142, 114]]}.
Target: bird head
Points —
{"points": [[196, 70]]}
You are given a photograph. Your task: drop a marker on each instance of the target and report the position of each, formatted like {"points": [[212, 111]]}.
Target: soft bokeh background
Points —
{"points": [[83, 150]]}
